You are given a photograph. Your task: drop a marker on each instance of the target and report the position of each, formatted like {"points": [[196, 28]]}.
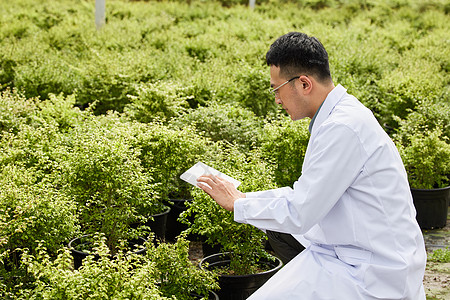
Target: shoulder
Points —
{"points": [[350, 113]]}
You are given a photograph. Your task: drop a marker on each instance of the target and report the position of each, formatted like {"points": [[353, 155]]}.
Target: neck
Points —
{"points": [[319, 95]]}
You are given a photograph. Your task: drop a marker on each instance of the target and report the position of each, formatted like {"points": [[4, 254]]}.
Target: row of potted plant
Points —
{"points": [[162, 271], [107, 173], [88, 175]]}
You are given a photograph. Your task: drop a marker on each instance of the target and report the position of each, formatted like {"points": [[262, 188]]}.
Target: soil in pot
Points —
{"points": [[239, 287]]}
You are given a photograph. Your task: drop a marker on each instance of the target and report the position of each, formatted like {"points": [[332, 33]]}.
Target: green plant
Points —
{"points": [[32, 209], [15, 110], [223, 122], [423, 142], [61, 112], [440, 255], [177, 275], [127, 276], [253, 92], [104, 175], [426, 157], [165, 272], [429, 115], [375, 49], [206, 218], [162, 100], [169, 152], [283, 145]]}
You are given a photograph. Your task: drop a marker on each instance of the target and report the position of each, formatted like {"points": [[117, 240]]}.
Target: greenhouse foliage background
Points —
{"points": [[195, 72]]}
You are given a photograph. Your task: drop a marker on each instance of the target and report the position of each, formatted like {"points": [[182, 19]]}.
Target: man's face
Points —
{"points": [[290, 95]]}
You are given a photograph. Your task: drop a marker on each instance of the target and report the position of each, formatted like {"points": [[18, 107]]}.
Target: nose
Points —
{"points": [[277, 100]]}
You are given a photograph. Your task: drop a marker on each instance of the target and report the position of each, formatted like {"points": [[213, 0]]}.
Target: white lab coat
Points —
{"points": [[351, 207]]}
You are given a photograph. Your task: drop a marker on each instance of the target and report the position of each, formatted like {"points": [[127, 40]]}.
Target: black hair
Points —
{"points": [[296, 53]]}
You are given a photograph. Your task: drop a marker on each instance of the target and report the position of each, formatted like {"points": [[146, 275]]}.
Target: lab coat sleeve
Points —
{"points": [[334, 158], [274, 193]]}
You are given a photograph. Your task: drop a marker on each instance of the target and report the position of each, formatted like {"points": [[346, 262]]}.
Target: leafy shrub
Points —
{"points": [[169, 152], [15, 110], [223, 122], [403, 90], [176, 273], [252, 92], [423, 142], [128, 276], [426, 158], [48, 75], [104, 175], [58, 111], [428, 116], [7, 72], [375, 49], [161, 100], [283, 144], [33, 148], [164, 272], [107, 82], [32, 210]]}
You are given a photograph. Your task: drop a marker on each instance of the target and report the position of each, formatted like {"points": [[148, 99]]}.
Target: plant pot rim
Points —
{"points": [[72, 248], [436, 189], [225, 254], [180, 199], [166, 211]]}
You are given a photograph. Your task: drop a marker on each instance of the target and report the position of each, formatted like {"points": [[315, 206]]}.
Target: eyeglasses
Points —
{"points": [[275, 90]]}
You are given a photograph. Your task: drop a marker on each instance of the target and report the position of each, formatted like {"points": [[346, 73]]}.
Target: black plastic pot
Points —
{"points": [[208, 250], [175, 227], [159, 224], [239, 287], [431, 206], [12, 260], [84, 242]]}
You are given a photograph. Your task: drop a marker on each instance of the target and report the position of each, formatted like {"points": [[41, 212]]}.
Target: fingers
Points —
{"points": [[212, 185], [221, 190], [208, 179]]}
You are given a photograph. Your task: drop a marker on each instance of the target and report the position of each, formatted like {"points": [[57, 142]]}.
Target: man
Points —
{"points": [[351, 207]]}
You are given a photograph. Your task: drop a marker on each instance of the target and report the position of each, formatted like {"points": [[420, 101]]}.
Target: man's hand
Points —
{"points": [[221, 190]]}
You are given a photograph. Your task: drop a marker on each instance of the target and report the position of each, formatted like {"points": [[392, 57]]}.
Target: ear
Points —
{"points": [[306, 84]]}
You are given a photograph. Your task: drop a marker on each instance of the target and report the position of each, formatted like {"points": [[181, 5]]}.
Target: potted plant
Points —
{"points": [[104, 175], [242, 257], [32, 211], [177, 275], [426, 158], [128, 276], [165, 272], [169, 152]]}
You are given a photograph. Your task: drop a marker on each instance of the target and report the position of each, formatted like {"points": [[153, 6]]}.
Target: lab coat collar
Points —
{"points": [[328, 105]]}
